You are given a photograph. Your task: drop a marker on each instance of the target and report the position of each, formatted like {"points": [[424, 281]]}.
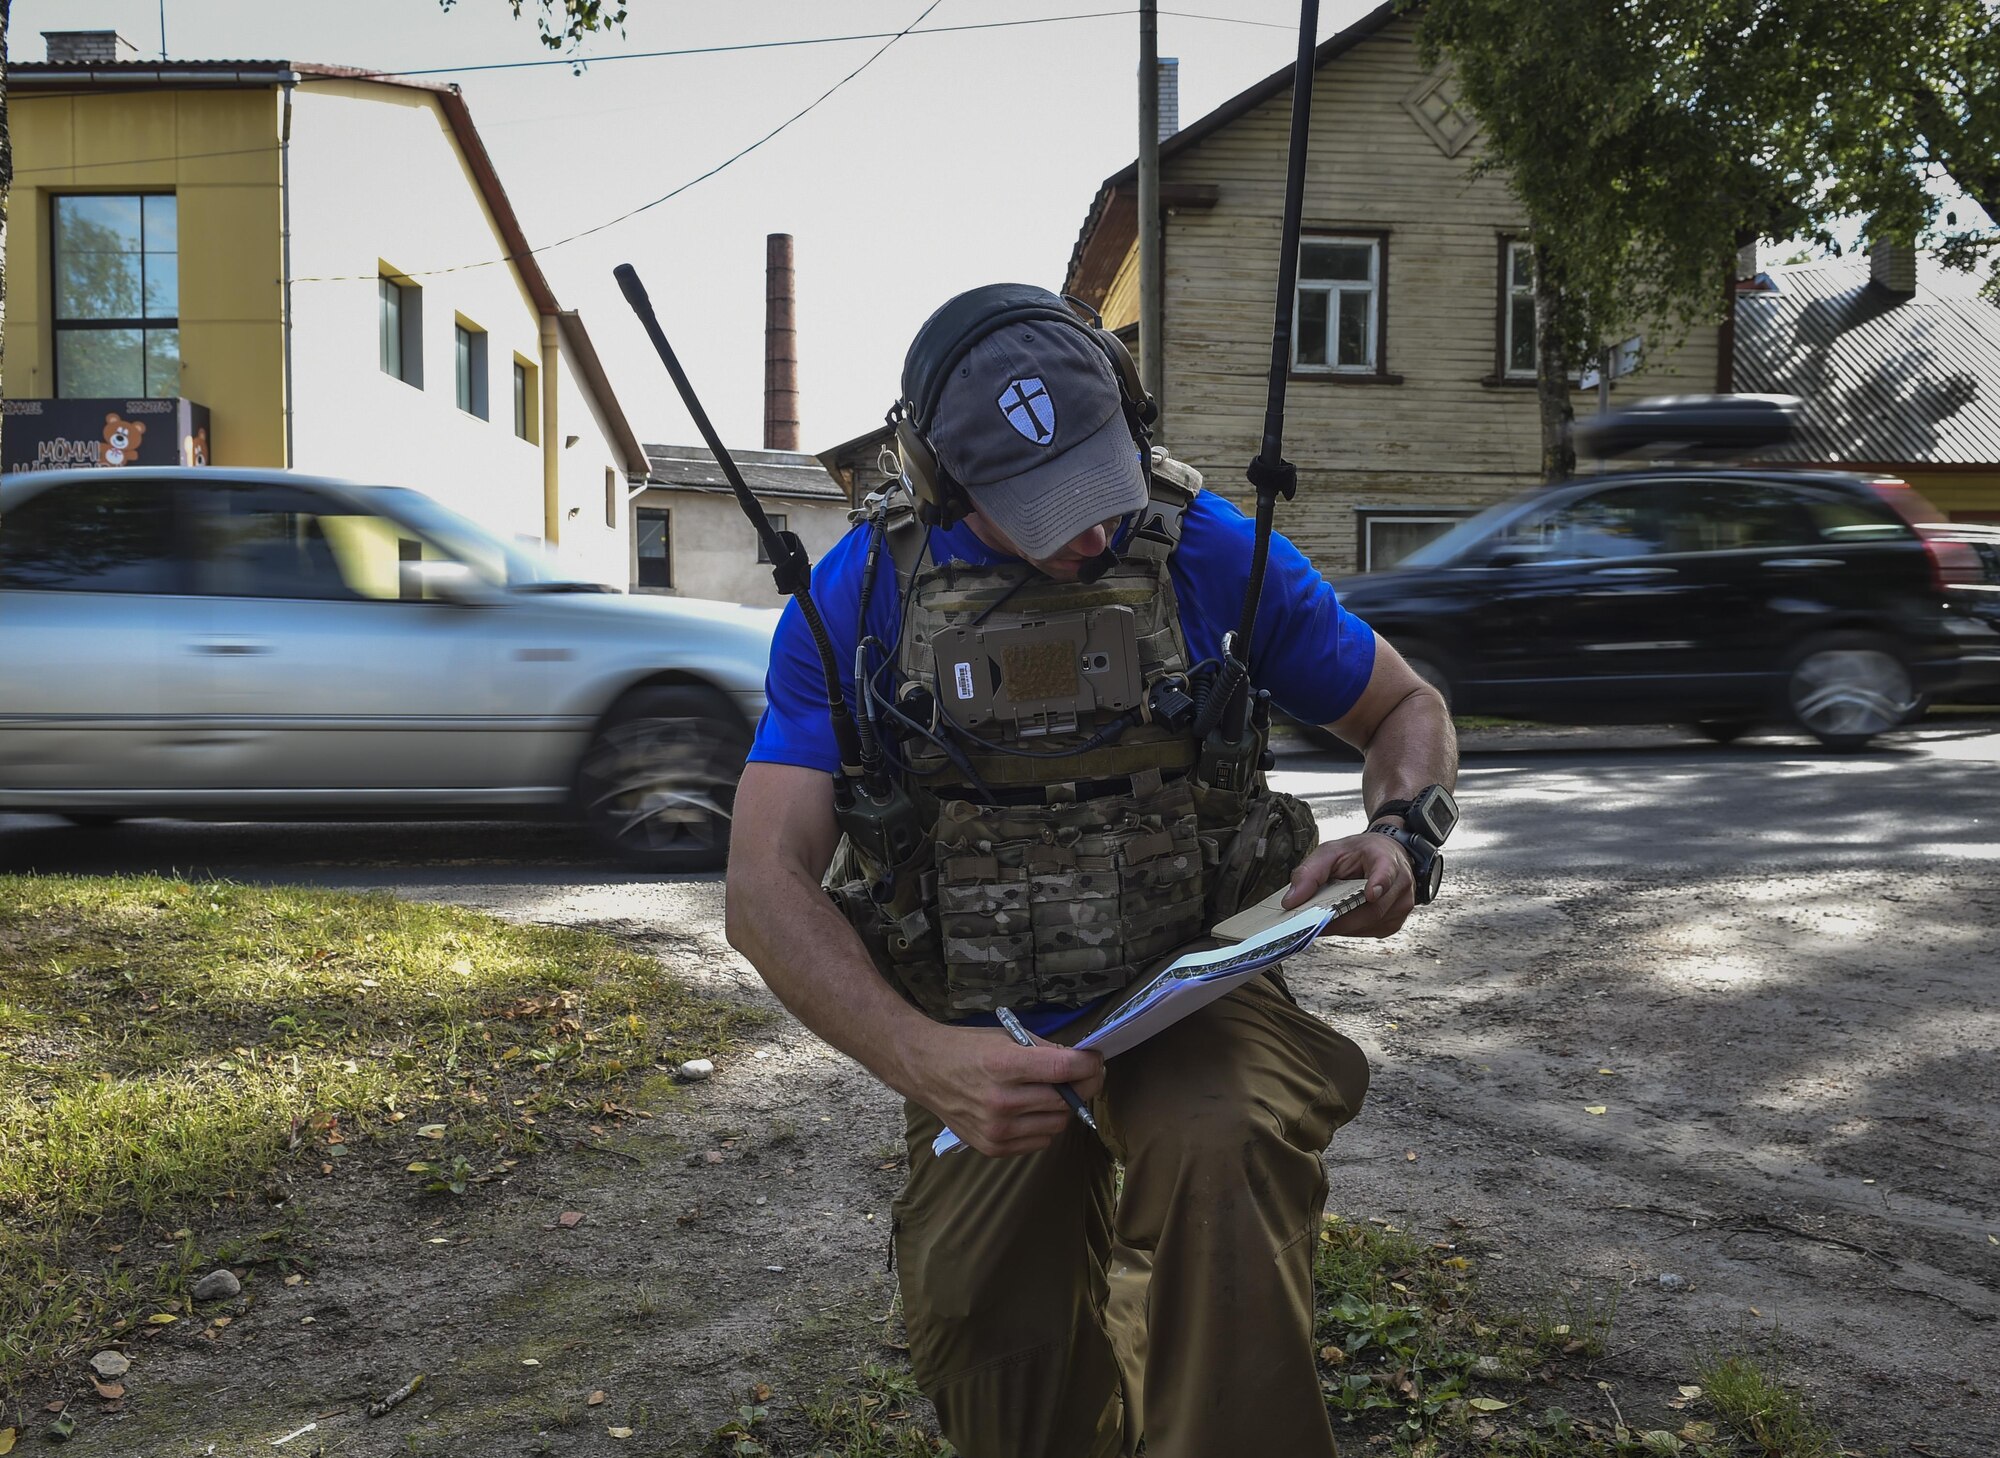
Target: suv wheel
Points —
{"points": [[1426, 666], [1846, 688], [658, 782]]}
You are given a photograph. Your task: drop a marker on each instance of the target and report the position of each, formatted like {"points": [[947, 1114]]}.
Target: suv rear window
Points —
{"points": [[110, 536], [1841, 519]]}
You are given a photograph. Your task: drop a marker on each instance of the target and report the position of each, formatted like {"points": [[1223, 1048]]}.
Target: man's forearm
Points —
{"points": [[813, 960], [1414, 746]]}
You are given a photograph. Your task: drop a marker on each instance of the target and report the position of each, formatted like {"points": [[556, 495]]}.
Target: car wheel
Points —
{"points": [[658, 782], [1846, 688], [1722, 731]]}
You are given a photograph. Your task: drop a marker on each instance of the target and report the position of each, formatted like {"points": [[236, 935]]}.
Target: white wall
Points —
{"points": [[378, 179], [714, 547]]}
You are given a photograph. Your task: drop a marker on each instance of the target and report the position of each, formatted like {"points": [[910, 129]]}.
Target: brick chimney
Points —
{"points": [[1170, 96], [1893, 266], [88, 47], [781, 347]]}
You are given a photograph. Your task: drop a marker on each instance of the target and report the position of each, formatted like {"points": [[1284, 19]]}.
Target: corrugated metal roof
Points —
{"points": [[766, 473], [1885, 378]]}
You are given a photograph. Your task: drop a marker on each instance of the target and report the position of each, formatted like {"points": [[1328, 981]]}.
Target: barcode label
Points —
{"points": [[962, 675]]}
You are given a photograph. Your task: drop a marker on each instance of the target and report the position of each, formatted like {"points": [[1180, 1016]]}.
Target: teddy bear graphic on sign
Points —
{"points": [[197, 447], [120, 446]]}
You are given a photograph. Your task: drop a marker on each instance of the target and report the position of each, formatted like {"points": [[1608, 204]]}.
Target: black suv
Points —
{"points": [[1717, 597]]}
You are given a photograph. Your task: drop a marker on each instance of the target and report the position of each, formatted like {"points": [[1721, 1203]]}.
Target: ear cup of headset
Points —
{"points": [[1127, 371], [937, 502]]}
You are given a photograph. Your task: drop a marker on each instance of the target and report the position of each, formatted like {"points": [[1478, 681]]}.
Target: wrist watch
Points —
{"points": [[1426, 860], [1432, 813]]}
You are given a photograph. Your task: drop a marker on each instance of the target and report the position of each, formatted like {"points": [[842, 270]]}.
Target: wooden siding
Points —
{"points": [[1121, 300], [1441, 436]]}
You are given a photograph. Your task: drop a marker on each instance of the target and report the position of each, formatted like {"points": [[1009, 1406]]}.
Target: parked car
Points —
{"points": [[1720, 597], [233, 644]]}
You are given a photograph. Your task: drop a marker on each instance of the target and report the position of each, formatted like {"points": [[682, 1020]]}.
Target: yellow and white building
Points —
{"points": [[321, 259]]}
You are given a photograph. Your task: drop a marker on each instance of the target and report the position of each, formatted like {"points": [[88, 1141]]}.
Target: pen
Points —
{"points": [[1021, 1035]]}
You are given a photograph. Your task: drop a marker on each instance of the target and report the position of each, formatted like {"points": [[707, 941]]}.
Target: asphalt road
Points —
{"points": [[1533, 796]]}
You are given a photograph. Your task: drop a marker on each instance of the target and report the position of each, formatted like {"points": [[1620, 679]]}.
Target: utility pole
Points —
{"points": [[1152, 290]]}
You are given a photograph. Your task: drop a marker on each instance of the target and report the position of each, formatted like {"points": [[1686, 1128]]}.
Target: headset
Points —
{"points": [[947, 337]]}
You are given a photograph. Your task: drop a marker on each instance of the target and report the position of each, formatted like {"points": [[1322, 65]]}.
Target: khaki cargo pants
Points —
{"points": [[1033, 1326]]}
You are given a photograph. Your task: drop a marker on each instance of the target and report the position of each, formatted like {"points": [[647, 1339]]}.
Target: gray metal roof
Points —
{"points": [[1886, 379], [767, 473]]}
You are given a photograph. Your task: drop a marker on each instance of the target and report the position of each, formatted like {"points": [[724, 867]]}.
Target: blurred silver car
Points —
{"points": [[232, 644]]}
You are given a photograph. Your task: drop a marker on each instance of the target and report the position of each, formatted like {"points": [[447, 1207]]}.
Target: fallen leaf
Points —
{"points": [[619, 1432], [713, 1156], [1487, 1404], [1331, 1355], [761, 1392], [293, 1279], [56, 1406], [162, 1318], [531, 1361], [1606, 1070], [108, 1390], [1410, 1155], [222, 1321], [1689, 1390], [594, 1399], [570, 1219], [430, 1131], [1594, 1108], [1755, 1312], [7, 1436]]}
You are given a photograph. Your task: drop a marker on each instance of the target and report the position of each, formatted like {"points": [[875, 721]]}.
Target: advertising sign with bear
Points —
{"points": [[52, 435]]}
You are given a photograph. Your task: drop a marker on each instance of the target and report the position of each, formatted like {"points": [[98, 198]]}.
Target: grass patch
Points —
{"points": [[169, 1047], [1766, 1416]]}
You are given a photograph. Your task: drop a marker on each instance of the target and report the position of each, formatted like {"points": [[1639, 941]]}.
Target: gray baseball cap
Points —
{"points": [[1032, 424]]}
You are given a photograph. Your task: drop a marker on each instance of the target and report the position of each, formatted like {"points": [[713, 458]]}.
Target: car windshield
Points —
{"points": [[1440, 551], [494, 559]]}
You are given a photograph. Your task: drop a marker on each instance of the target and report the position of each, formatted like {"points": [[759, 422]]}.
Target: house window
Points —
{"points": [[777, 520], [656, 547], [610, 497], [400, 319], [1517, 310], [1339, 313], [1385, 535], [527, 419], [470, 342], [117, 295]]}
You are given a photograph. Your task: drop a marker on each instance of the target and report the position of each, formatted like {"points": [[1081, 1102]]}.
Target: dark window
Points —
{"points": [[471, 350], [1517, 311], [777, 520], [117, 295], [1839, 519], [111, 537], [1733, 516], [1339, 315], [1625, 522], [525, 419], [401, 326], [656, 547], [1388, 534], [280, 540]]}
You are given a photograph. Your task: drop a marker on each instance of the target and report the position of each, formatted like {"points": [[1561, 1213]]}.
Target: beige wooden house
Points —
{"points": [[1411, 401]]}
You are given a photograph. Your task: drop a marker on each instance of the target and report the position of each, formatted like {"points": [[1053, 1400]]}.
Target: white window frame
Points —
{"points": [[1371, 288], [1367, 518], [780, 522], [1509, 292]]}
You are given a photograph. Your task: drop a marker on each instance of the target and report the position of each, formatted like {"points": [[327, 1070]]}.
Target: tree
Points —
{"points": [[1649, 139], [565, 23]]}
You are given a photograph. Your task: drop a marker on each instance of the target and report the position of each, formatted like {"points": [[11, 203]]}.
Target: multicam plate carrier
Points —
{"points": [[1101, 860]]}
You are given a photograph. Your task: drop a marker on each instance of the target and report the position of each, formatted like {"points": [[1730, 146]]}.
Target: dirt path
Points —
{"points": [[1798, 1126]]}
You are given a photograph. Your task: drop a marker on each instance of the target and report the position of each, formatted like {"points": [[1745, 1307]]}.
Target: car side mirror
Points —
{"points": [[451, 582]]}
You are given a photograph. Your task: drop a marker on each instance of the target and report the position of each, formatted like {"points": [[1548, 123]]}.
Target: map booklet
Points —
{"points": [[1267, 934]]}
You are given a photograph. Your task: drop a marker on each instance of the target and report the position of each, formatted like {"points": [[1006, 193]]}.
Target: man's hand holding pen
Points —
{"points": [[998, 1097]]}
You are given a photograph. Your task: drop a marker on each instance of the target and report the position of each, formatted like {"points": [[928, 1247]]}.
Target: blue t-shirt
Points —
{"points": [[1309, 651]]}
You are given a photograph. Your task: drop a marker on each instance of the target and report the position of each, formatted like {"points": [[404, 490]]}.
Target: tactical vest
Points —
{"points": [[1099, 862]]}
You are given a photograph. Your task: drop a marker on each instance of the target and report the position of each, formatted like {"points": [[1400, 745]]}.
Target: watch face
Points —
{"points": [[1434, 815]]}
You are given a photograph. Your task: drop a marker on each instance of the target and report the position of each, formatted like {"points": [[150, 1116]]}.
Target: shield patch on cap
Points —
{"points": [[1028, 408]]}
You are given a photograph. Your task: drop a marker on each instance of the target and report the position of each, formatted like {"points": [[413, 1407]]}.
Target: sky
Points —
{"points": [[954, 160]]}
